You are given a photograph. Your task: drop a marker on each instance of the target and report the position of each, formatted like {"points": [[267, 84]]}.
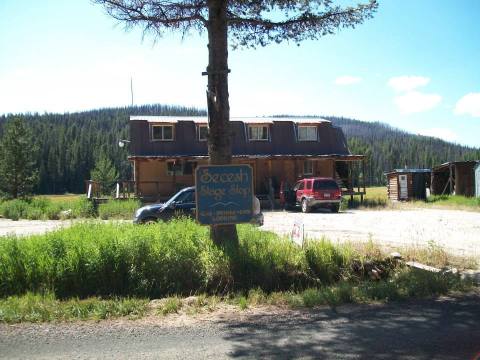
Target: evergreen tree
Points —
{"points": [[105, 173], [18, 173], [245, 24]]}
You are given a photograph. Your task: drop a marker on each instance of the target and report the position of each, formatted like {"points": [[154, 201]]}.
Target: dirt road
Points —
{"points": [[431, 329], [457, 231]]}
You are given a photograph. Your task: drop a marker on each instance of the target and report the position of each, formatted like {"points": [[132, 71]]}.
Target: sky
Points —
{"points": [[415, 66]]}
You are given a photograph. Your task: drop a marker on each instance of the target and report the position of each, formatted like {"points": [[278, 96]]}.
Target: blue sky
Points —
{"points": [[415, 65]]}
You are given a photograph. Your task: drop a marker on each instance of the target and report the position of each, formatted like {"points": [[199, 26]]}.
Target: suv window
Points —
{"points": [[309, 184], [186, 197], [325, 185], [301, 186], [297, 185]]}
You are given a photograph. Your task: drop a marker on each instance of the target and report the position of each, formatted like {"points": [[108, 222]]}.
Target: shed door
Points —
{"points": [[403, 183]]}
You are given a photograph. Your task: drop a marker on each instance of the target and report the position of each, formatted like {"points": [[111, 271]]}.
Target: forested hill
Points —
{"points": [[389, 148], [70, 143]]}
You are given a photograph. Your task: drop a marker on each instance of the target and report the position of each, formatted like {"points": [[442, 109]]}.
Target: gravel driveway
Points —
{"points": [[455, 230]]}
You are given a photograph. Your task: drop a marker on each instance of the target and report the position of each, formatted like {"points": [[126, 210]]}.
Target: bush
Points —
{"points": [[118, 209]]}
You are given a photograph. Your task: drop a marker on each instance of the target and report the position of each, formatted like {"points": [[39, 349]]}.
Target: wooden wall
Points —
{"points": [[464, 180], [154, 183]]}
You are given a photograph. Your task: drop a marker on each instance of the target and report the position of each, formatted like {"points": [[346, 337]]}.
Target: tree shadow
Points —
{"points": [[446, 328]]}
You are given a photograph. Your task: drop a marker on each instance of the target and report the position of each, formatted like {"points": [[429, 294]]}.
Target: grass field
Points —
{"points": [[377, 198]]}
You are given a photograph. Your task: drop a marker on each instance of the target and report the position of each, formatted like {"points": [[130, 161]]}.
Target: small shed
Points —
{"points": [[454, 178], [408, 184], [477, 180]]}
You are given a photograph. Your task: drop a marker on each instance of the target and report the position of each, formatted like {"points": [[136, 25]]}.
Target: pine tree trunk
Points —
{"points": [[219, 139]]}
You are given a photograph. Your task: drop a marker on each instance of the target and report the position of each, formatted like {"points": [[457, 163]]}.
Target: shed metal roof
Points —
{"points": [[447, 164], [408, 171]]}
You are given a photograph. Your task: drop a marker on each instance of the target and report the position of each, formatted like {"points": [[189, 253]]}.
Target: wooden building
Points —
{"points": [[454, 178], [165, 151], [408, 184]]}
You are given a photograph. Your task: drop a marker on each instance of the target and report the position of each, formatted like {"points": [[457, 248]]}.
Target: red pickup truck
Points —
{"points": [[312, 193]]}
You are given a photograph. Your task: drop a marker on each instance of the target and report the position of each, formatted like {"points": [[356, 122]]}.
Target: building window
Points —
{"points": [[307, 133], [258, 133], [308, 167], [181, 168], [202, 132], [162, 132]]}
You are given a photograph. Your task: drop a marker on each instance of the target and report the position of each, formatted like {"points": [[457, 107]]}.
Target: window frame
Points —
{"points": [[304, 127], [251, 126], [182, 166], [199, 126], [172, 126], [305, 162]]}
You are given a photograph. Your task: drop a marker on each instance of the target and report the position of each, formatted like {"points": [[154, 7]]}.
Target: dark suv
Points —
{"points": [[182, 203], [312, 193]]}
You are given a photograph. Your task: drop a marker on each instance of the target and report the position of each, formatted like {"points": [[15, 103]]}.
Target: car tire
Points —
{"points": [[149, 221], [335, 208], [305, 206]]}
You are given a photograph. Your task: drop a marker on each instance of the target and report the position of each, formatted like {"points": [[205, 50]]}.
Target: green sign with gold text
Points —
{"points": [[224, 194]]}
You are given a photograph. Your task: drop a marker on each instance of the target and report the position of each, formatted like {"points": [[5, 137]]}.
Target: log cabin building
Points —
{"points": [[408, 184], [164, 151]]}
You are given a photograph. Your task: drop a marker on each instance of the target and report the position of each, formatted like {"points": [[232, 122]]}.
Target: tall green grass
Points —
{"points": [[46, 307], [112, 259], [162, 259]]}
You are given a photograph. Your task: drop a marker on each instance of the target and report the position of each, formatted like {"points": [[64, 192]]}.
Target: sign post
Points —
{"points": [[224, 194]]}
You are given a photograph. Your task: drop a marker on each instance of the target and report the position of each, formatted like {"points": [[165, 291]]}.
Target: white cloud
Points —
{"points": [[468, 105], [347, 80], [407, 83], [441, 133], [414, 101]]}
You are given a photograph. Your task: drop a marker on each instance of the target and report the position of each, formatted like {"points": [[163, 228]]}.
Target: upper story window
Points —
{"points": [[202, 132], [307, 133], [258, 133], [161, 132]]}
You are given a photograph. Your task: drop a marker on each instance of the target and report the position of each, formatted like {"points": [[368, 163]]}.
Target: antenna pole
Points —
{"points": [[131, 88]]}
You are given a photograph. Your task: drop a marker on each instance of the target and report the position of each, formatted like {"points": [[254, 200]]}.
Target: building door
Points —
{"points": [[403, 184]]}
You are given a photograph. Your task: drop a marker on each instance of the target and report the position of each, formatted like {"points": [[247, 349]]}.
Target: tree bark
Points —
{"points": [[219, 138]]}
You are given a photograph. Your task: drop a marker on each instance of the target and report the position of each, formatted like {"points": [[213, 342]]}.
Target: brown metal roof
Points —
{"points": [[282, 140]]}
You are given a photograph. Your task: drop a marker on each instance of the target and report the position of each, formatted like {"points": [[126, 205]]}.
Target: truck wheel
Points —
{"points": [[335, 208], [305, 207]]}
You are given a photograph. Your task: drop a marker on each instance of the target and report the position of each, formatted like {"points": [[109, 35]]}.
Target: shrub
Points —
{"points": [[13, 209]]}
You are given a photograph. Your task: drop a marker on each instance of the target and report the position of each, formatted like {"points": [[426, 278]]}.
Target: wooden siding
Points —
{"points": [[462, 175], [393, 187], [154, 182]]}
